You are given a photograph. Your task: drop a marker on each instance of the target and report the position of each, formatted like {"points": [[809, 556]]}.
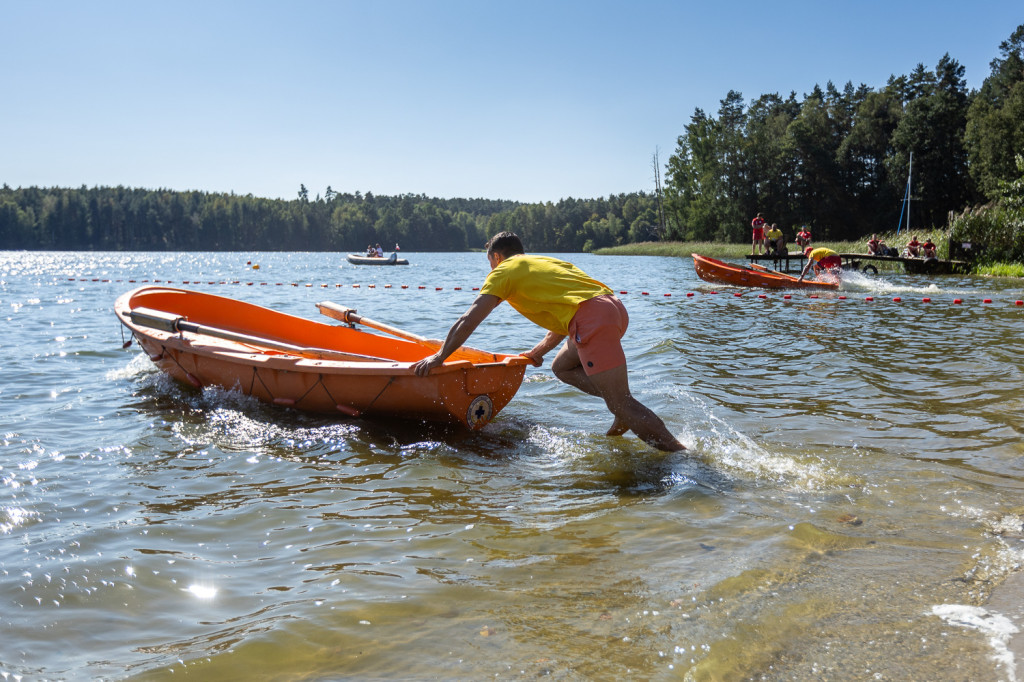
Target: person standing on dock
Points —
{"points": [[823, 260], [757, 240], [573, 307]]}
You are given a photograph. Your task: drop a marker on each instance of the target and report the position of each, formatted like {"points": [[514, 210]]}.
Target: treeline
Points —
{"points": [[838, 160], [125, 219]]}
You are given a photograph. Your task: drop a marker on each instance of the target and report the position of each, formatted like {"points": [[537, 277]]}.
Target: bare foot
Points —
{"points": [[618, 428]]}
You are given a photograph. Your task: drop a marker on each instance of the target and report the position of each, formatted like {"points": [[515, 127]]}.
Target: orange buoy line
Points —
{"points": [[421, 287]]}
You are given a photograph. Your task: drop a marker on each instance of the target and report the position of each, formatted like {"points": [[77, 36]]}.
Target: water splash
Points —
{"points": [[998, 628]]}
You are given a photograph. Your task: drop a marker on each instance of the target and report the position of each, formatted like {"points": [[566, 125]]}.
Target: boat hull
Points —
{"points": [[316, 367], [373, 260], [718, 272]]}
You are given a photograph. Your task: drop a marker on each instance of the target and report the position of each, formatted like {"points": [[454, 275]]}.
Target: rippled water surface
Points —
{"points": [[852, 496]]}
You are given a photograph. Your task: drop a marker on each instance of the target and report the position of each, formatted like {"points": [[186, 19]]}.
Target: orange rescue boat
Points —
{"points": [[207, 340], [718, 272]]}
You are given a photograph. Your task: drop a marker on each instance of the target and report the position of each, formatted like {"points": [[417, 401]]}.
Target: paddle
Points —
{"points": [[349, 316], [168, 322]]}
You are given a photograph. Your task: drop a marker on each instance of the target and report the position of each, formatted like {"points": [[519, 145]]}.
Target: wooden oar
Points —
{"points": [[168, 322], [348, 315], [783, 275]]}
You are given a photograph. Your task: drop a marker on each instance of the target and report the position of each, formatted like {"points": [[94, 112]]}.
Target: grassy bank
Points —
{"points": [[1001, 270], [712, 249]]}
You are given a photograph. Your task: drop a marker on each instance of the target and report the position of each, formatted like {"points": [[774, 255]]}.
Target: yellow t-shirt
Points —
{"points": [[773, 234], [821, 252], [545, 290]]}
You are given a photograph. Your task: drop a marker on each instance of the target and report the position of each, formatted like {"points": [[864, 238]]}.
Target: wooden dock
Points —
{"points": [[856, 261]]}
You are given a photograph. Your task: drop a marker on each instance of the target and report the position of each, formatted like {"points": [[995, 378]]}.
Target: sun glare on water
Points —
{"points": [[202, 591]]}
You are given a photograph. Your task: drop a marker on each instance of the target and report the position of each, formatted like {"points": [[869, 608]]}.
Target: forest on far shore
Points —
{"points": [[835, 160]]}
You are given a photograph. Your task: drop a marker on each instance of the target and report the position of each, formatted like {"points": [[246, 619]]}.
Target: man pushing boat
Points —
{"points": [[571, 306]]}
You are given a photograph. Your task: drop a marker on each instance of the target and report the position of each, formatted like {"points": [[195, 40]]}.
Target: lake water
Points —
{"points": [[850, 505]]}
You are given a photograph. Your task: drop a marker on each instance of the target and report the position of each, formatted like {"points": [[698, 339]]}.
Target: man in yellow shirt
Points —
{"points": [[571, 306], [773, 241], [824, 261]]}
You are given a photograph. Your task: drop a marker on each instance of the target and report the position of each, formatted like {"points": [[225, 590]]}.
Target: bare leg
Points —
{"points": [[613, 387]]}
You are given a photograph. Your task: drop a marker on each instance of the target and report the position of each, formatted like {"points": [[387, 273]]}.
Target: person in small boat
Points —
{"points": [[757, 239], [803, 237], [378, 252], [574, 308], [824, 261], [928, 249], [914, 247], [370, 251], [774, 241]]}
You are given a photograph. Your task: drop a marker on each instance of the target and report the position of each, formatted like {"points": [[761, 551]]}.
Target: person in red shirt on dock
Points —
{"points": [[914, 248], [757, 241], [803, 237], [929, 249], [873, 245]]}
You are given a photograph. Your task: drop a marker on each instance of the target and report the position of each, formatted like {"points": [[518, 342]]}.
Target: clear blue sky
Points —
{"points": [[524, 100]]}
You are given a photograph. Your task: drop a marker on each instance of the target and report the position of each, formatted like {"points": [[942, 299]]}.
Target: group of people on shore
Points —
{"points": [[770, 241], [914, 248]]}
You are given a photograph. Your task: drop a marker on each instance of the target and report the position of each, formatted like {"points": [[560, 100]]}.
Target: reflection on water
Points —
{"points": [[852, 489]]}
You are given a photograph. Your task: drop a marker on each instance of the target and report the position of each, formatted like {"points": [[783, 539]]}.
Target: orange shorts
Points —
{"points": [[596, 331]]}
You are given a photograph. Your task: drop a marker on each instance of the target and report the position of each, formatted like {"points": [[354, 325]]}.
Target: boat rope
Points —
{"points": [[188, 375], [346, 409], [252, 385], [390, 379]]}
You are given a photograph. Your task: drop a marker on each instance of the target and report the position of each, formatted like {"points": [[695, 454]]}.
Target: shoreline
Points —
{"points": [[1008, 600]]}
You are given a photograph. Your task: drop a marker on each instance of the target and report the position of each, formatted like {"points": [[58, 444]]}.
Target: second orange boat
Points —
{"points": [[719, 272]]}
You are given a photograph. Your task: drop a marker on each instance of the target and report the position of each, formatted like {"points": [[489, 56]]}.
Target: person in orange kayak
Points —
{"points": [[823, 260], [571, 306]]}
